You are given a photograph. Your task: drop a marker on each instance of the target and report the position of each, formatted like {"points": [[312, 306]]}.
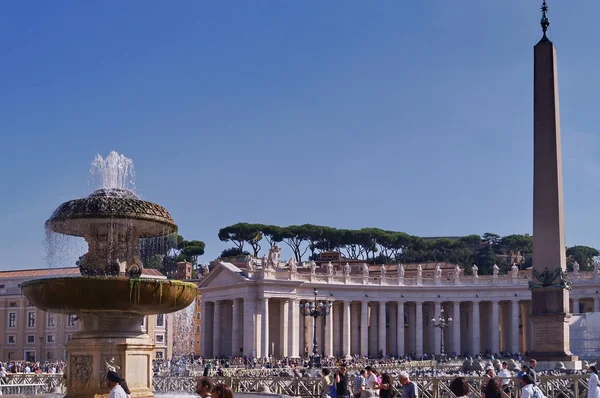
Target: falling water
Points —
{"points": [[63, 250], [114, 172], [183, 331]]}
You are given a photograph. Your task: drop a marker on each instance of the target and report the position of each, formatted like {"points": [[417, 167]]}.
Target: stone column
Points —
{"points": [[514, 326], [419, 328], [575, 306], [284, 327], [382, 329], [265, 328], [236, 329], [329, 332], [206, 341], [596, 304], [364, 328], [495, 326], [400, 329], [346, 330], [456, 328], [249, 334], [294, 331], [437, 335], [476, 334], [217, 332]]}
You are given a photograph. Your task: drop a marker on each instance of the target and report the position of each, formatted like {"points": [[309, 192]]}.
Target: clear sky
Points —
{"points": [[405, 115]]}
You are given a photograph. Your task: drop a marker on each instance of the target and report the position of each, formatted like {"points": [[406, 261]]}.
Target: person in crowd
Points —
{"points": [[112, 382], [529, 389], [409, 388], [341, 383], [358, 385], [125, 387], [493, 390], [489, 374], [386, 387], [371, 381], [222, 391], [505, 375], [593, 389], [531, 372], [328, 387], [460, 387], [204, 387]]}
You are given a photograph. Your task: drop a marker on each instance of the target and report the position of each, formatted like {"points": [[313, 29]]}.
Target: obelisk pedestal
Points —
{"points": [[550, 312]]}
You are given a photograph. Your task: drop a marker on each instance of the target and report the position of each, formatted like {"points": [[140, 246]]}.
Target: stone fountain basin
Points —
{"points": [[117, 295]]}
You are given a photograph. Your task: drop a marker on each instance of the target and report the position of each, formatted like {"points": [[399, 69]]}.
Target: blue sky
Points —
{"points": [[407, 115]]}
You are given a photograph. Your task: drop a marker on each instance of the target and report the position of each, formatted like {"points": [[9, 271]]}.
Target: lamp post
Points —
{"points": [[441, 322], [315, 309]]}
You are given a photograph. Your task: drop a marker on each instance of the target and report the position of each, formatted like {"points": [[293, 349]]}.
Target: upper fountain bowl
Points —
{"points": [[80, 217]]}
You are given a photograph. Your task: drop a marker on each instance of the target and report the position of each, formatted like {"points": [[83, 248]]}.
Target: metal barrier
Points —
{"points": [[566, 386]]}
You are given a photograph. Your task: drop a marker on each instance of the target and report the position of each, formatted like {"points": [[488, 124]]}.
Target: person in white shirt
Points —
{"points": [[506, 375], [370, 383], [112, 382], [529, 389], [594, 389]]}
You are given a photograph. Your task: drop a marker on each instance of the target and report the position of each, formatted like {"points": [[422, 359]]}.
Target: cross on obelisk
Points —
{"points": [[549, 289]]}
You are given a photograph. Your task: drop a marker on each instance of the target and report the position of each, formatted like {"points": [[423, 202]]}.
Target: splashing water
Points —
{"points": [[183, 331], [114, 172]]}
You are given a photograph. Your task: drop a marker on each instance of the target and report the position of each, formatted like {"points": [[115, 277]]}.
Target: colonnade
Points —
{"points": [[274, 326]]}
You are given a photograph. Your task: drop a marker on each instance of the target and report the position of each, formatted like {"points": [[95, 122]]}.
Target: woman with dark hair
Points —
{"points": [[125, 388], [222, 391], [385, 387], [493, 390], [593, 390], [460, 387]]}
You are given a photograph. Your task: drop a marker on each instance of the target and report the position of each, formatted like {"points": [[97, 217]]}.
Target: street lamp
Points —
{"points": [[441, 322], [315, 309]]}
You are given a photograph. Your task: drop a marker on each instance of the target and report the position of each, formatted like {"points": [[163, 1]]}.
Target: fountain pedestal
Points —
{"points": [[109, 340], [110, 310]]}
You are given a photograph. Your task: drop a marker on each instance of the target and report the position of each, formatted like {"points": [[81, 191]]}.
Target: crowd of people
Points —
{"points": [[12, 367]]}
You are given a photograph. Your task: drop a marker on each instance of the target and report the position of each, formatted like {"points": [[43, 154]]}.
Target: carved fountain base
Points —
{"points": [[104, 341]]}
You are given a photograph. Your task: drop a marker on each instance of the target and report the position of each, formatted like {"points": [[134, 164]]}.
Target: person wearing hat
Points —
{"points": [[489, 374], [112, 382]]}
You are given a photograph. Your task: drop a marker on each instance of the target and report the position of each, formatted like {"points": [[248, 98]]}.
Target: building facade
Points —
{"points": [[375, 310], [32, 334]]}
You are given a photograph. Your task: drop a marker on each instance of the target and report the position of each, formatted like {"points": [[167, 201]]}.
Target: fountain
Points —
{"points": [[110, 299]]}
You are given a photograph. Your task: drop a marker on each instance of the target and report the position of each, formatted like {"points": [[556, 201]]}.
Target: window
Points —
{"points": [[143, 321], [50, 338], [68, 338], [12, 319], [1, 286], [11, 339], [30, 339], [71, 320], [160, 320], [12, 304], [31, 319], [197, 329], [160, 338], [11, 355], [197, 315], [159, 355], [51, 319]]}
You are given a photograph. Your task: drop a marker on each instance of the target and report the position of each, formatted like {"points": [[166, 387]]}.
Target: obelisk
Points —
{"points": [[549, 289]]}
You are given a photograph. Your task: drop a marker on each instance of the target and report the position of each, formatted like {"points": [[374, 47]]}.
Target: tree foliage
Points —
{"points": [[375, 245]]}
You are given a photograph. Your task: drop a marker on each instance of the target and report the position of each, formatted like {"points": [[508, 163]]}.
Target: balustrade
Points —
{"points": [[564, 386]]}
